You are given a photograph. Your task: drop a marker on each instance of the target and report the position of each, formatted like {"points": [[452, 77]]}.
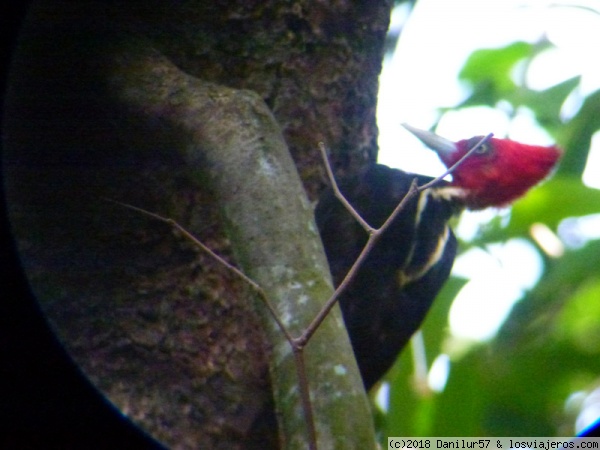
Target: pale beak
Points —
{"points": [[442, 146]]}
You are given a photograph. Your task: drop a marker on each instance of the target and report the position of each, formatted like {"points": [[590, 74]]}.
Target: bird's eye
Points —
{"points": [[483, 149]]}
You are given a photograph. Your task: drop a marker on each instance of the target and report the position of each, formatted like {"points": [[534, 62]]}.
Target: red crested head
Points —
{"points": [[498, 172]]}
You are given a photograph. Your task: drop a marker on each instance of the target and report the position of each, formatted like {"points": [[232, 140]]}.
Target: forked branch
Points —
{"points": [[374, 233], [298, 343]]}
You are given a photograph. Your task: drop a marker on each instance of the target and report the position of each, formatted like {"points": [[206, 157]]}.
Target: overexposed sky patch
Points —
{"points": [[435, 43], [422, 76]]}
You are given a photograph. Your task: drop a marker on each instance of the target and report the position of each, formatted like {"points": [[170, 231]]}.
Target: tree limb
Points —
{"points": [[233, 141]]}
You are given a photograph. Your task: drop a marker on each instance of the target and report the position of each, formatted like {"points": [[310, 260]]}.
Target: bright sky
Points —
{"points": [[422, 76], [434, 45]]}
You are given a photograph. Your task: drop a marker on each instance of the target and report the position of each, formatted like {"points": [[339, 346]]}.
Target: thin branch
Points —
{"points": [[374, 233], [305, 395], [452, 168], [419, 362], [216, 257], [299, 343], [297, 350], [336, 190]]}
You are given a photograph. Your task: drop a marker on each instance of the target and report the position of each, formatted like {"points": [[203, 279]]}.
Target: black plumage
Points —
{"points": [[397, 283]]}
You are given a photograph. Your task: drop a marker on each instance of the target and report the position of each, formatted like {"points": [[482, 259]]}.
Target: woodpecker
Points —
{"points": [[397, 283]]}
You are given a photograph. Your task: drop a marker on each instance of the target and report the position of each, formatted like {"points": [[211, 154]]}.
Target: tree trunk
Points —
{"points": [[189, 109]]}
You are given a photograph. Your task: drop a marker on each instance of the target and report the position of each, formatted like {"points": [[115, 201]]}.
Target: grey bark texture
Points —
{"points": [[192, 110]]}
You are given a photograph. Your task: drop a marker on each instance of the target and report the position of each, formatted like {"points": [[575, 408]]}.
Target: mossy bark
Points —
{"points": [[189, 110]]}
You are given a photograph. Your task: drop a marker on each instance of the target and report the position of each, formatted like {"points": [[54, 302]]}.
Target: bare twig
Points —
{"points": [[336, 190], [297, 350], [300, 342], [216, 257], [374, 233], [452, 168], [305, 394]]}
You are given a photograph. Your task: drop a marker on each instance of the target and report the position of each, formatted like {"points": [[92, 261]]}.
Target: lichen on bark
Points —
{"points": [[130, 102]]}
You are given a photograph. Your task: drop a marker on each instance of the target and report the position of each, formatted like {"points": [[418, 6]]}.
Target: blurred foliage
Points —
{"points": [[519, 382]]}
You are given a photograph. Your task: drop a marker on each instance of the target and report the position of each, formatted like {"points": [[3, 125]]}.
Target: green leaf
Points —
{"points": [[546, 104], [495, 65], [552, 202], [410, 409], [517, 383], [569, 277], [576, 136], [579, 321], [549, 203]]}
